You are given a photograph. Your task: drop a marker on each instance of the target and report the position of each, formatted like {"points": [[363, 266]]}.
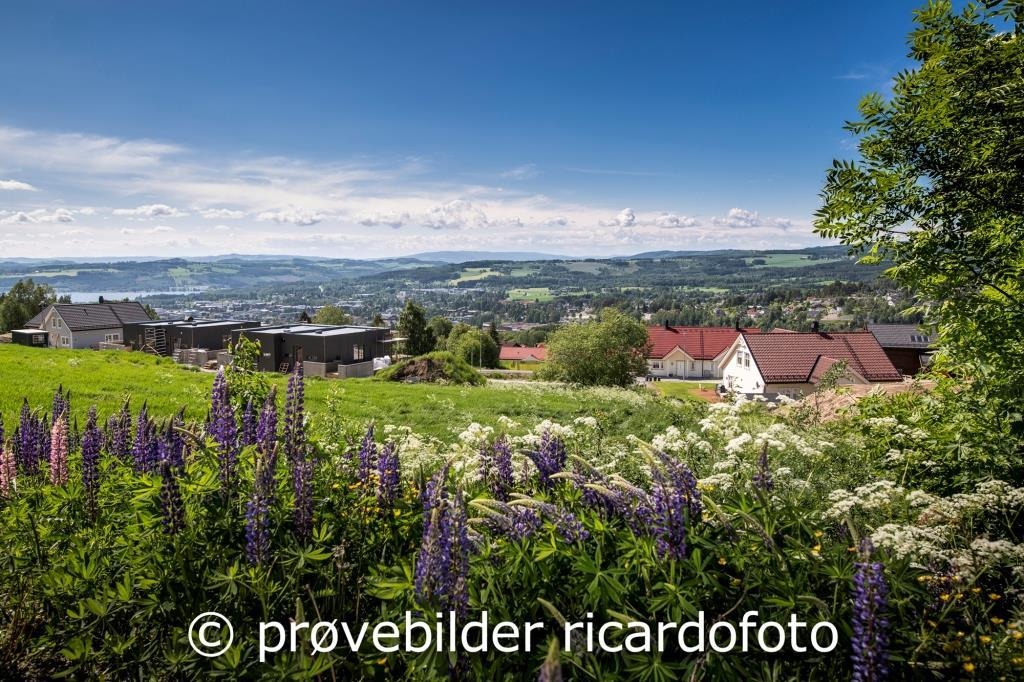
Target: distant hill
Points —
{"points": [[813, 251], [473, 256]]}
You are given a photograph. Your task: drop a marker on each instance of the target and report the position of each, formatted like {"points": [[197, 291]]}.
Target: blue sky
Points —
{"points": [[381, 128]]}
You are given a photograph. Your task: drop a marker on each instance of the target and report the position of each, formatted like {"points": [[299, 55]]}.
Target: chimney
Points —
{"points": [[815, 327], [738, 328], [667, 327]]}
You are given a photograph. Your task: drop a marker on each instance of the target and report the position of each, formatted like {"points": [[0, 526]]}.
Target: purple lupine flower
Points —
{"points": [[119, 438], [44, 437], [367, 457], [551, 670], [266, 438], [224, 430], [172, 508], [257, 512], [1, 430], [870, 627], [59, 451], [676, 501], [388, 476], [442, 563], [8, 470], [295, 416], [142, 449], [496, 468], [564, 521], [61, 405], [28, 441], [248, 433], [763, 475], [549, 458], [302, 485], [514, 522], [92, 440]]}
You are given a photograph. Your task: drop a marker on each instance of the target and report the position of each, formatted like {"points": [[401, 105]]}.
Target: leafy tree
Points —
{"points": [[150, 311], [412, 324], [23, 302], [475, 346], [332, 314], [939, 187], [378, 320], [492, 331], [609, 351], [938, 191], [440, 326], [245, 381]]}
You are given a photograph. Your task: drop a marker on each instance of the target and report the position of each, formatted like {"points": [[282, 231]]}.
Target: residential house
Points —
{"points": [[342, 350], [689, 352], [909, 349], [793, 363], [523, 354], [87, 325]]}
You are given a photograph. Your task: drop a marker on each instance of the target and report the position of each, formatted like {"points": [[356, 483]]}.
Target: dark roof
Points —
{"points": [[37, 319], [85, 316], [902, 336], [797, 357], [700, 343]]}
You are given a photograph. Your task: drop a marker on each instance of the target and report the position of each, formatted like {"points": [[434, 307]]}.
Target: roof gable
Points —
{"points": [[700, 343], [86, 316], [803, 357], [901, 336]]}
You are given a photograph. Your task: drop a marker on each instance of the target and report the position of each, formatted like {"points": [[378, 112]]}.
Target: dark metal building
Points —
{"points": [[908, 347], [348, 350], [164, 337], [30, 337]]}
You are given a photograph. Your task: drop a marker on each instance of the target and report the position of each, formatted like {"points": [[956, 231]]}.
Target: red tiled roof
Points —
{"points": [[804, 357], [523, 353], [700, 343]]}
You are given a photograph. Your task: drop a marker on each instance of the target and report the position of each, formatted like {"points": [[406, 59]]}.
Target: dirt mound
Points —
{"points": [[418, 371], [830, 404]]}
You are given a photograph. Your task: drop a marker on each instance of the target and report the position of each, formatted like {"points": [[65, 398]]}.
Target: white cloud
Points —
{"points": [[148, 211], [673, 220], [221, 213], [557, 221], [394, 220], [161, 229], [222, 228], [76, 152], [293, 216], [742, 218], [12, 185], [456, 214], [626, 218], [39, 215]]}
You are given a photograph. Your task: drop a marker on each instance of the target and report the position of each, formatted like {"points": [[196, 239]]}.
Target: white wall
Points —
{"points": [[740, 374], [678, 364]]}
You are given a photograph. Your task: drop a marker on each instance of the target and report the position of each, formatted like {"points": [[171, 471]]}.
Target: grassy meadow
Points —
{"points": [[105, 378]]}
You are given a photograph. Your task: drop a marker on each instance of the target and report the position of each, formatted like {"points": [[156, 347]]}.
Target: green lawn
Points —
{"points": [[682, 390], [104, 378], [473, 274], [542, 294]]}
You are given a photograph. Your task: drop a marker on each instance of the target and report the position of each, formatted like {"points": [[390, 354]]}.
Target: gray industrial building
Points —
{"points": [[345, 351], [167, 337]]}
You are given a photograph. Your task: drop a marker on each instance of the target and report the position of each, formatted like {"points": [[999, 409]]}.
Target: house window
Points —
{"points": [[358, 352], [110, 338], [693, 365], [64, 341], [656, 364], [54, 324]]}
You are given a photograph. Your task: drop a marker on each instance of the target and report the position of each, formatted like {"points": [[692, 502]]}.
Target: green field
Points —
{"points": [[474, 274], [104, 378], [788, 260], [541, 294]]}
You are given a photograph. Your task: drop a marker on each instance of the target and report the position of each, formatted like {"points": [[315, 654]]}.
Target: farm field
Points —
{"points": [[474, 274], [105, 378], [788, 260], [541, 294]]}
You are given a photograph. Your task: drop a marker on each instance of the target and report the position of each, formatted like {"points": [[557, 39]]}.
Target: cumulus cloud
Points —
{"points": [[149, 211], [12, 185], [161, 229], [626, 218], [393, 220], [557, 221], [739, 217], [456, 214], [221, 214], [222, 228], [293, 216], [673, 220], [39, 215]]}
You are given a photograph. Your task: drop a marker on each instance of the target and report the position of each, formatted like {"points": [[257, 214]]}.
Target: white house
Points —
{"points": [[689, 352], [792, 363], [87, 325]]}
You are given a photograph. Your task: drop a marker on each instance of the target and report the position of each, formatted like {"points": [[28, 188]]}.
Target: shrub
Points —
{"points": [[436, 367]]}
